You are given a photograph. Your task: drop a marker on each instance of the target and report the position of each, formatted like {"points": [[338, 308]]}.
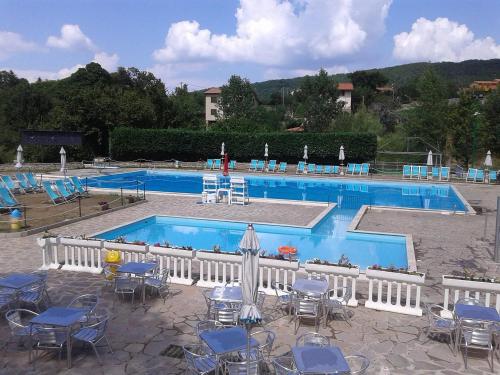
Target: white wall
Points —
{"points": [[209, 106], [345, 96]]}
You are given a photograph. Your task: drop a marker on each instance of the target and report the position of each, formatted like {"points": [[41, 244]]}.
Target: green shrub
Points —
{"points": [[165, 144]]}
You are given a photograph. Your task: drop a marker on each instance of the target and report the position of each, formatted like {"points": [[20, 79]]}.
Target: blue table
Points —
{"points": [[227, 294], [311, 286], [139, 270], [227, 340], [60, 317], [18, 280], [319, 360], [475, 312]]}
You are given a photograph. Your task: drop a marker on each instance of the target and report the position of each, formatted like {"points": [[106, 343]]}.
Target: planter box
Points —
{"points": [[126, 247], [278, 263], [80, 242], [450, 281], [332, 269], [173, 252], [47, 241], [218, 257], [396, 276]]}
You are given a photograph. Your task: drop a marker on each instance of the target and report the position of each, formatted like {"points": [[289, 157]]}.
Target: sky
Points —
{"points": [[202, 42]]}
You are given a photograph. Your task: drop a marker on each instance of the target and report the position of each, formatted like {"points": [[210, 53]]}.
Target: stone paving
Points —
{"points": [[393, 342]]}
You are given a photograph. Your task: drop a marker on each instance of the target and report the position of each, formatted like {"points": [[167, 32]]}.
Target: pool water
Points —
{"points": [[328, 240]]}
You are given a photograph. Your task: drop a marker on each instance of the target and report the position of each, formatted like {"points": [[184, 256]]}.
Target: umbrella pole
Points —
{"points": [[248, 347]]}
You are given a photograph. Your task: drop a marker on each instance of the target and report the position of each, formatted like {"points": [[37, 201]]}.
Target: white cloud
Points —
{"points": [[280, 33], [33, 74], [12, 43], [106, 60], [442, 40], [71, 38]]}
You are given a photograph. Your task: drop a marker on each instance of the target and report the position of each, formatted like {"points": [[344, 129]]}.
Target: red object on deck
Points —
{"points": [[226, 165]]}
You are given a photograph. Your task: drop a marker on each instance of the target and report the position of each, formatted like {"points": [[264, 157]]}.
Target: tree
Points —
{"points": [[237, 98], [491, 132], [185, 109], [318, 96], [365, 86]]}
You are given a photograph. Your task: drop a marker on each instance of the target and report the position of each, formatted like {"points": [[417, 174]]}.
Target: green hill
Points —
{"points": [[458, 74]]}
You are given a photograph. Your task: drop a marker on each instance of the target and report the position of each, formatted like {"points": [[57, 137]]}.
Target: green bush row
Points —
{"points": [[165, 144]]}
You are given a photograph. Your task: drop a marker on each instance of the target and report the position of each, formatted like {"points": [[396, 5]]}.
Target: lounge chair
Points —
{"points": [[300, 167], [319, 169], [406, 171], [210, 164], [365, 169], [445, 173], [328, 169], [493, 177], [350, 168], [357, 169], [479, 176], [471, 175], [10, 185], [435, 173], [54, 196], [260, 166], [217, 164], [6, 198], [271, 167], [423, 172], [282, 168], [32, 180], [415, 171], [311, 168], [23, 182], [63, 190], [253, 165], [232, 164], [78, 185], [336, 169]]}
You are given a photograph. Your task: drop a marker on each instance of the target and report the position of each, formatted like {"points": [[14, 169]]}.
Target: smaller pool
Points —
{"points": [[321, 241]]}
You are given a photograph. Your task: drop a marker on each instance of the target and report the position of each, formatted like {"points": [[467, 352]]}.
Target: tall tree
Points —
{"points": [[365, 86], [237, 98], [318, 96], [491, 131]]}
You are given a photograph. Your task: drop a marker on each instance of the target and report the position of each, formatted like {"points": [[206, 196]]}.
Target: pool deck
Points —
{"points": [[444, 244]]}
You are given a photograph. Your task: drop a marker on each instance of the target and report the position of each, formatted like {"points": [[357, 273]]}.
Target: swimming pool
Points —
{"points": [[327, 240]]}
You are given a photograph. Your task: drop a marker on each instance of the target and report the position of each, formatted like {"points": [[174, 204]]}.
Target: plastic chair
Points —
{"points": [[34, 295], [284, 365], [307, 309], [357, 363], [242, 368], [265, 339], [160, 284], [125, 285], [312, 339], [197, 361], [338, 305], [50, 338], [87, 302], [94, 333], [271, 167], [480, 338], [438, 323], [228, 315], [211, 304], [18, 321]]}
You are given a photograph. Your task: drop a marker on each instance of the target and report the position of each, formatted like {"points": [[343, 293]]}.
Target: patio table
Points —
{"points": [[18, 280], [474, 312], [227, 340], [227, 294], [312, 287], [64, 317], [319, 360], [139, 270]]}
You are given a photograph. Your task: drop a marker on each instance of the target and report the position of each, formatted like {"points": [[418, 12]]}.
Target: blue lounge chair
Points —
{"points": [[435, 173], [479, 176], [260, 166], [75, 181], [365, 169], [357, 169], [210, 164], [216, 164], [10, 185], [319, 169], [336, 169], [282, 168], [32, 180], [445, 173], [493, 177], [311, 168], [350, 168], [471, 175], [63, 190], [415, 171], [253, 165], [300, 167], [328, 169], [406, 171], [54, 196], [23, 182], [423, 172], [271, 167], [6, 198], [232, 164]]}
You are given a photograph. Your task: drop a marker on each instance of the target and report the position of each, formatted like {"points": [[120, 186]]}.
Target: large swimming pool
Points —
{"points": [[327, 240]]}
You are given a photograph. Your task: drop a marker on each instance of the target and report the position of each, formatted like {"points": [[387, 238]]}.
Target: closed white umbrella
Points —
{"points": [[266, 151], [222, 149], [305, 153], [487, 162], [341, 154], [430, 163], [19, 158], [63, 160], [249, 313]]}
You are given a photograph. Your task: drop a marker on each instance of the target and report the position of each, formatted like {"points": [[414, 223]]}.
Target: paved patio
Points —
{"points": [[393, 342]]}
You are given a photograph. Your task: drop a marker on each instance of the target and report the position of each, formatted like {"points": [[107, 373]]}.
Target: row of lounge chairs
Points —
{"points": [[478, 175], [421, 172], [26, 183], [352, 169], [62, 191], [216, 164], [272, 166]]}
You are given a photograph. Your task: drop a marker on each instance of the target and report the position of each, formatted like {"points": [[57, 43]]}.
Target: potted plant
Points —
{"points": [[131, 199], [393, 273], [342, 267], [104, 205]]}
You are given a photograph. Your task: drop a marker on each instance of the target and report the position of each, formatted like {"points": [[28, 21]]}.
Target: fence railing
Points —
{"points": [[177, 261], [454, 289]]}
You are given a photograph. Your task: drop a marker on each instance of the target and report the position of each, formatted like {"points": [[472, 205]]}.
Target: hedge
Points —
{"points": [[188, 145]]}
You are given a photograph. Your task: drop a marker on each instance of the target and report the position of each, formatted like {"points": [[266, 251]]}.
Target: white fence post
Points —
{"points": [[178, 262], [50, 252], [490, 291]]}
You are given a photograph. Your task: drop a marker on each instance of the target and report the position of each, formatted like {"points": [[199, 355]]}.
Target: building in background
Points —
{"points": [[485, 86], [212, 110], [345, 94]]}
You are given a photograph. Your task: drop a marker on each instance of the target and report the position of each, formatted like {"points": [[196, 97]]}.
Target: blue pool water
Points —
{"points": [[327, 240]]}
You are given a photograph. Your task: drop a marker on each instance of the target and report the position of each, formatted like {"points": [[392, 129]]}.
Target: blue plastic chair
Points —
{"points": [[217, 164], [282, 168], [350, 168], [493, 176], [210, 164], [445, 173], [423, 172], [253, 165], [7, 199], [328, 169], [32, 180], [9, 184], [336, 169], [406, 171], [23, 183], [365, 169], [78, 185], [435, 173], [55, 197], [271, 166], [471, 175], [479, 176], [63, 190], [260, 166], [300, 167], [232, 164], [311, 168], [357, 169], [415, 171], [319, 169]]}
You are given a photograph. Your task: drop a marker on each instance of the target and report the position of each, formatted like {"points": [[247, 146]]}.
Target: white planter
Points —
{"points": [[46, 241], [418, 279], [172, 252], [278, 263], [332, 269], [219, 257], [449, 281], [80, 242], [126, 247]]}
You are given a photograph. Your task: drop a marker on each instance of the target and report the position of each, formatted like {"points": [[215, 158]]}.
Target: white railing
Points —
{"points": [[218, 269], [128, 252], [274, 270], [50, 253], [177, 261], [489, 292], [342, 277], [81, 255], [383, 284]]}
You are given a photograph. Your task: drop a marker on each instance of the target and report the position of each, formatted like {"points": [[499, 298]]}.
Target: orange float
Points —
{"points": [[287, 250]]}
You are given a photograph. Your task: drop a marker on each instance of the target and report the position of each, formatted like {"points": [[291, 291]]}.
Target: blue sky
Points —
{"points": [[203, 42]]}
